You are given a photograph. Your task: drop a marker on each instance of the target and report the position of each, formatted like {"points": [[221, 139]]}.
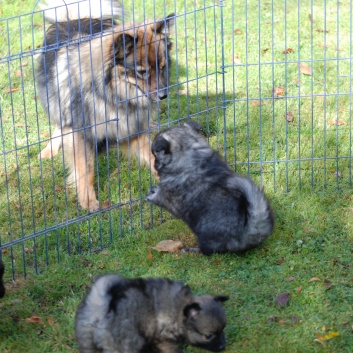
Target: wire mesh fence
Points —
{"points": [[269, 81]]}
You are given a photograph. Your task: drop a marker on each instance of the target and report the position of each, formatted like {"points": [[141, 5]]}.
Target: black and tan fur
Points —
{"points": [[227, 212], [121, 315], [100, 83]]}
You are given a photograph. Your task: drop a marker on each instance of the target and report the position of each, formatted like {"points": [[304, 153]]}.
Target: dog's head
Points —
{"points": [[143, 52], [179, 148], [204, 321]]}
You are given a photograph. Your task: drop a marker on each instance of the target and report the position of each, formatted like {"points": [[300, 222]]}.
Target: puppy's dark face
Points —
{"points": [[205, 321], [178, 146]]}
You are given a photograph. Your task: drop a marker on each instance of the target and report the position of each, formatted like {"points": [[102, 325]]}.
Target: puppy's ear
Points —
{"points": [[123, 45], [166, 25], [193, 125], [192, 310], [161, 146], [221, 298]]}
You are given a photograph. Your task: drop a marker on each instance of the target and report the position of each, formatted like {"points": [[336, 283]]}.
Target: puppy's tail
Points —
{"points": [[68, 10], [260, 218]]}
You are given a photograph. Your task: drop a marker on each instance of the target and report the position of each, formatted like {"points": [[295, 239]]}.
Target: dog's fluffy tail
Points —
{"points": [[69, 10], [260, 220]]}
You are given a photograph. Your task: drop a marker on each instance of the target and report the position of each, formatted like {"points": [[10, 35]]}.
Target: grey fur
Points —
{"points": [[227, 212], [138, 315]]}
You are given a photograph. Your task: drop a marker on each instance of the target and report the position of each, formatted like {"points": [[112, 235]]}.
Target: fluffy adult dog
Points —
{"points": [[2, 287], [100, 83], [121, 315], [227, 212]]}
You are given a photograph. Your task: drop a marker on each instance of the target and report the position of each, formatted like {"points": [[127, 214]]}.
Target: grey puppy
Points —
{"points": [[2, 287], [121, 315], [227, 212]]}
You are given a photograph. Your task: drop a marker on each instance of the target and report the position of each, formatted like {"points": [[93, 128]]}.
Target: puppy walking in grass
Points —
{"points": [[227, 212], [121, 315]]}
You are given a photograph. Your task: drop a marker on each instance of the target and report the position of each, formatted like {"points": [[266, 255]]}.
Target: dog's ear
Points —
{"points": [[166, 25], [123, 45], [193, 125], [161, 146], [192, 310], [221, 298]]}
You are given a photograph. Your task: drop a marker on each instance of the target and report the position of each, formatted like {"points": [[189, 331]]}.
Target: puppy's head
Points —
{"points": [[179, 148], [204, 321]]}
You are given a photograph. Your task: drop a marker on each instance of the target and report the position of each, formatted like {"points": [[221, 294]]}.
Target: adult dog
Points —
{"points": [[99, 79]]}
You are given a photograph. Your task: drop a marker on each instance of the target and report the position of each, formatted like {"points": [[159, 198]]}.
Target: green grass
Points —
{"points": [[295, 161]]}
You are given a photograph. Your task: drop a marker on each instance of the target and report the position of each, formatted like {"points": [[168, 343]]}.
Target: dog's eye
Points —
{"points": [[210, 336]]}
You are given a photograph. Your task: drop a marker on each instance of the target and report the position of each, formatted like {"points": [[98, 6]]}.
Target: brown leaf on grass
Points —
{"points": [[168, 246], [4, 251], [105, 204], [46, 134], [313, 279], [21, 125], [13, 89], [282, 299], [320, 30], [291, 278], [256, 103], [278, 92], [35, 319], [18, 73], [265, 50], [328, 284], [236, 60], [289, 116], [288, 50], [338, 122], [149, 256], [238, 31], [305, 69], [24, 63], [326, 337], [58, 188], [310, 17], [300, 288]]}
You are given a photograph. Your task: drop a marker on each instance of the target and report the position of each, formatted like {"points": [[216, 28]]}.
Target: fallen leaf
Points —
{"points": [[305, 69], [238, 31], [338, 122], [4, 251], [282, 299], [300, 288], [21, 125], [105, 204], [291, 278], [35, 319], [18, 73], [272, 319], [289, 116], [310, 17], [288, 50], [328, 284], [278, 92], [168, 246], [312, 279], [256, 103], [264, 51], [11, 90], [326, 337], [46, 134], [57, 188], [28, 250], [149, 256], [236, 60], [24, 63], [320, 30], [282, 322]]}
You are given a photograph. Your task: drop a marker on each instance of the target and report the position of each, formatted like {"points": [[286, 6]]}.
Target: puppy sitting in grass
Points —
{"points": [[227, 212], [121, 315]]}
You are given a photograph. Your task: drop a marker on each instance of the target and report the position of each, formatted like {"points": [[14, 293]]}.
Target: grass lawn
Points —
{"points": [[274, 97]]}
